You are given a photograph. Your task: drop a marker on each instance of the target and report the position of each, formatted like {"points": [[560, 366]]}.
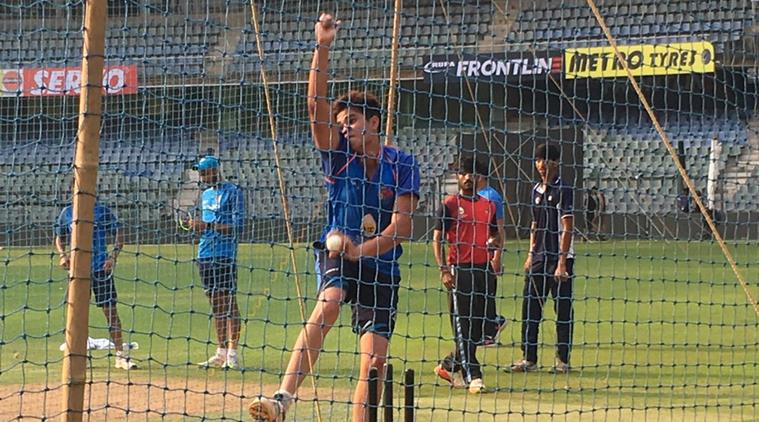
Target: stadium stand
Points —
{"points": [[184, 47], [434, 149], [138, 174], [635, 170], [176, 46], [427, 29], [250, 162], [192, 46], [712, 20]]}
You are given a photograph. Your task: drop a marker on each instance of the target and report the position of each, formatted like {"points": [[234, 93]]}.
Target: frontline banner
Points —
{"points": [[492, 67], [643, 60]]}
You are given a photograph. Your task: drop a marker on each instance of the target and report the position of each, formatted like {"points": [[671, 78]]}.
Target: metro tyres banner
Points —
{"points": [[642, 60], [51, 81], [492, 67]]}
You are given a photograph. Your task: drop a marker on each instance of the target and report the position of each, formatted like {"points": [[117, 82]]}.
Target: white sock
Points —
{"points": [[286, 398], [232, 353], [220, 351]]}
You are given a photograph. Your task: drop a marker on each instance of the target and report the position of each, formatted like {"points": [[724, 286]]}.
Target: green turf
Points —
{"points": [[659, 325]]}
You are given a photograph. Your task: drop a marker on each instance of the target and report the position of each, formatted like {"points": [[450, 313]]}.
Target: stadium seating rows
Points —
{"points": [[172, 47], [250, 163], [182, 47], [632, 166], [148, 175], [141, 174], [143, 181], [366, 42], [717, 21], [192, 47]]}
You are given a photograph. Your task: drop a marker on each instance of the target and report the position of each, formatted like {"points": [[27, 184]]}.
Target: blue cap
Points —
{"points": [[207, 162]]}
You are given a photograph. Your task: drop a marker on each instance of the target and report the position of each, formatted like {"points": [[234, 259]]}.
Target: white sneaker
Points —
{"points": [[231, 362], [270, 410], [560, 367], [216, 361], [125, 363], [476, 386]]}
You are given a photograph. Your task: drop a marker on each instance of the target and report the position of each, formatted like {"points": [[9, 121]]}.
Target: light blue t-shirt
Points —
{"points": [[106, 224], [363, 208], [222, 204], [493, 196]]}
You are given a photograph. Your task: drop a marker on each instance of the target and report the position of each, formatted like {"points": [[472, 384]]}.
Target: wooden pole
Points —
{"points": [[85, 180], [393, 72]]}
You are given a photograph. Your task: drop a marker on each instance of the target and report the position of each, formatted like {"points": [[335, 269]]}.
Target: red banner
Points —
{"points": [[47, 81]]}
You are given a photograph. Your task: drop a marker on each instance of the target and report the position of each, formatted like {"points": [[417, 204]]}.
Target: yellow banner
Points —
{"points": [[643, 60]]}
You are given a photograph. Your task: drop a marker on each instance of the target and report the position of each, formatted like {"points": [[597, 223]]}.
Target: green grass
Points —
{"points": [[663, 326]]}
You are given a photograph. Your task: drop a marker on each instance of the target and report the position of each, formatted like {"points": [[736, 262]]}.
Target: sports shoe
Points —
{"points": [[269, 409], [523, 365], [476, 386], [490, 341], [125, 363], [231, 362], [216, 361], [560, 367], [455, 379]]}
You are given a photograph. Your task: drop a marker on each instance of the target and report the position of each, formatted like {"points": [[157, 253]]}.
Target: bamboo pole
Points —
{"points": [[283, 197], [393, 73], [85, 180]]}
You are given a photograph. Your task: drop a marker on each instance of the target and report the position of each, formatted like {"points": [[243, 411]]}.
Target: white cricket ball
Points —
{"points": [[335, 242]]}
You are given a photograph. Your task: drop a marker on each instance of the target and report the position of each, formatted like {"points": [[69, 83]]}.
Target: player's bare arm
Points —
{"points": [[437, 248], [63, 257], [118, 245], [319, 112]]}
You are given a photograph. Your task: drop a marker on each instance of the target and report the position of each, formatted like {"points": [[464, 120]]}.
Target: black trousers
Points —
{"points": [[470, 304], [538, 283]]}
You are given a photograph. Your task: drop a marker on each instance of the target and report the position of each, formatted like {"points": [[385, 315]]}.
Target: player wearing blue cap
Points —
{"points": [[372, 192], [221, 220]]}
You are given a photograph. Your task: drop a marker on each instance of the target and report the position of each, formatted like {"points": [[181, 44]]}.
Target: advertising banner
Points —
{"points": [[643, 60], [48, 81], [492, 67]]}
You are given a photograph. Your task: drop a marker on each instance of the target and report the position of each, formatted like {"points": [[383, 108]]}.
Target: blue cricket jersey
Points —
{"points": [[363, 208], [223, 204], [106, 224], [493, 196]]}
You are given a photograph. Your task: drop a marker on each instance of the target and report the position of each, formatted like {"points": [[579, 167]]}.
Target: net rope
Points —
{"points": [[662, 330]]}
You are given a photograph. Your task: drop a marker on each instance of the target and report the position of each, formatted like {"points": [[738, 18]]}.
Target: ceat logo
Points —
{"points": [[12, 81]]}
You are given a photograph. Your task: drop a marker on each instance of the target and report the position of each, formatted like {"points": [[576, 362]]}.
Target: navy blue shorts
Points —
{"points": [[373, 295], [104, 288], [218, 275]]}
